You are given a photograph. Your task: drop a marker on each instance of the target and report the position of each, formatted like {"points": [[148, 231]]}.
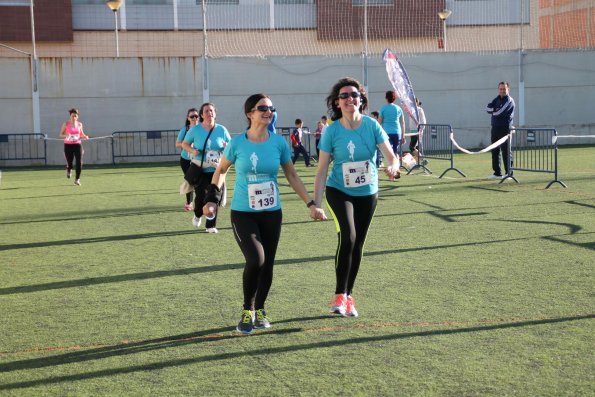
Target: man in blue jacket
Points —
{"points": [[502, 111]]}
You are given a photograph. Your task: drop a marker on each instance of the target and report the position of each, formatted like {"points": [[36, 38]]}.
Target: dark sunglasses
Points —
{"points": [[193, 116], [264, 108], [346, 95]]}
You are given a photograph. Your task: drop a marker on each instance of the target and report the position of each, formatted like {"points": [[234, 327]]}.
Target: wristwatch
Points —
{"points": [[310, 203]]}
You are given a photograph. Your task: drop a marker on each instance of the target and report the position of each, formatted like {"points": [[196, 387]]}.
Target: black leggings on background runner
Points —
{"points": [[200, 191], [257, 234], [185, 164], [74, 151], [353, 215]]}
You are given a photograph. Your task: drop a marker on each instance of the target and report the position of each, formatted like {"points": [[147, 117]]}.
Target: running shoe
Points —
{"points": [[246, 324], [188, 207], [212, 230], [68, 173], [77, 182], [261, 320], [495, 176], [339, 304], [196, 221], [350, 309]]}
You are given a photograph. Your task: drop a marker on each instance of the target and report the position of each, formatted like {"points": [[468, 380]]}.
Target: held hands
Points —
{"points": [[392, 172], [317, 213]]}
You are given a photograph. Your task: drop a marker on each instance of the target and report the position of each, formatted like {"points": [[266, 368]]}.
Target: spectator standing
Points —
{"points": [[502, 111]]}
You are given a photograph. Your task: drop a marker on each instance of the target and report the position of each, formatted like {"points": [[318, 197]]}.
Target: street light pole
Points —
{"points": [[115, 5], [443, 15]]}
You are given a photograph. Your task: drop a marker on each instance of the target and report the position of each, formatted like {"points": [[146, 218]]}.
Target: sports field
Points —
{"points": [[468, 288]]}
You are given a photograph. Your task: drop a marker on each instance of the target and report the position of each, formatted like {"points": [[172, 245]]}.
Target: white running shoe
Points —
{"points": [[350, 310], [196, 221], [212, 230], [77, 182], [339, 304], [495, 177]]}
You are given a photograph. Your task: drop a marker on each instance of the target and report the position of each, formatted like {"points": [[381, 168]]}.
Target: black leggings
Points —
{"points": [[257, 234], [353, 215], [185, 164], [200, 191], [74, 151]]}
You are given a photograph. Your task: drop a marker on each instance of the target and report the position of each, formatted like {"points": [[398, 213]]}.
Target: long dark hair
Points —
{"points": [[251, 103], [187, 114], [331, 101]]}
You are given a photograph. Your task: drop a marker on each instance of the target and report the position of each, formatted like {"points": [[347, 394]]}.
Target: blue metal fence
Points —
{"points": [[144, 144], [15, 147], [434, 143], [534, 150]]}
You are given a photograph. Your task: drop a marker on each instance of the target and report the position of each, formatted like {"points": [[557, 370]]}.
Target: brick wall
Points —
{"points": [[339, 19], [53, 22]]}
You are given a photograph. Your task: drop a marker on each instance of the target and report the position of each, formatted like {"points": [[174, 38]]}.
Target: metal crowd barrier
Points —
{"points": [[533, 150], [434, 143], [145, 144], [16, 147]]}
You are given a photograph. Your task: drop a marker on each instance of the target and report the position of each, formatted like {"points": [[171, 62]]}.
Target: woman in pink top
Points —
{"points": [[72, 132]]}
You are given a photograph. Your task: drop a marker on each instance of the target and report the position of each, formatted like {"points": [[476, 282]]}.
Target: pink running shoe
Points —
{"points": [[350, 307], [188, 207], [339, 304]]}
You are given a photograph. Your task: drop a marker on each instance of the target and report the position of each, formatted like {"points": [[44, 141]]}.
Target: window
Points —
{"points": [[372, 2], [216, 2], [294, 1]]}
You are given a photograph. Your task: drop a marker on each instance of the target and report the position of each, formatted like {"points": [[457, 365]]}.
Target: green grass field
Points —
{"points": [[468, 288]]}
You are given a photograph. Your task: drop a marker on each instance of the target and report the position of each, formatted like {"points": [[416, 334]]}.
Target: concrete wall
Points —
{"points": [[154, 93]]}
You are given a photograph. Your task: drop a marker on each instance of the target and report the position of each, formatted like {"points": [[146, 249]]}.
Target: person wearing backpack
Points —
{"points": [[296, 143]]}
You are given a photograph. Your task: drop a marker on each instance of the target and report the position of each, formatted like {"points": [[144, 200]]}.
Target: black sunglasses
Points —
{"points": [[346, 95], [264, 108], [193, 116]]}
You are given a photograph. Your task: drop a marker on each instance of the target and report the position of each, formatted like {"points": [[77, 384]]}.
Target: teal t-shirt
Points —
{"points": [[391, 114], [184, 154], [214, 148], [257, 165], [354, 169]]}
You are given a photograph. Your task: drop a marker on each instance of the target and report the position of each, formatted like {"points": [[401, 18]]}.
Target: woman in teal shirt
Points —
{"points": [[213, 138], [191, 121], [352, 186], [256, 208]]}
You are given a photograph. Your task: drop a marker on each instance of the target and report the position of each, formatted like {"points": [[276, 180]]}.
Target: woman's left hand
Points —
{"points": [[317, 214]]}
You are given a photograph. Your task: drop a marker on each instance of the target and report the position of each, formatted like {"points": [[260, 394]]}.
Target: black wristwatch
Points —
{"points": [[310, 203]]}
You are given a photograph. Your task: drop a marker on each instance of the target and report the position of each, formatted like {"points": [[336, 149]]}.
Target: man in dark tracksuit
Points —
{"points": [[502, 111]]}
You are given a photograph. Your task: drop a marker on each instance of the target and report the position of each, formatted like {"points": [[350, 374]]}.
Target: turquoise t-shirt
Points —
{"points": [[354, 169], [391, 114], [214, 148], [257, 165], [184, 154]]}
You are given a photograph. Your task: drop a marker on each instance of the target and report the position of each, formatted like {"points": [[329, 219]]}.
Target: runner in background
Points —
{"points": [[72, 132], [191, 121]]}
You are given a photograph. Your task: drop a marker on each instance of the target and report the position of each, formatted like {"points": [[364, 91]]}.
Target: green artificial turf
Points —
{"points": [[468, 287]]}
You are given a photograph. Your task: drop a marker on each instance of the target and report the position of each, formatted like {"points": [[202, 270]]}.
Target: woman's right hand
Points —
{"points": [[209, 210]]}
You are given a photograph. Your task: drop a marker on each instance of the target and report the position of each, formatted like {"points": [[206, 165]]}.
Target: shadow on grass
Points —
{"points": [[235, 266], [204, 336]]}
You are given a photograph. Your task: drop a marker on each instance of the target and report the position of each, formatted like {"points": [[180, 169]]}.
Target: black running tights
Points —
{"points": [[257, 234]]}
